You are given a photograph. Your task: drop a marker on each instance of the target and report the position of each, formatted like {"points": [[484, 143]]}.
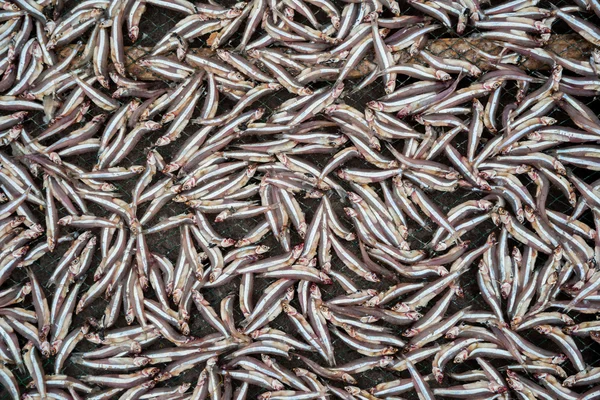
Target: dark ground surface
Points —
{"points": [[154, 24]]}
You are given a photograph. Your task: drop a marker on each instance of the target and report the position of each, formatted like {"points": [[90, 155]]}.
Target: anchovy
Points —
{"points": [[309, 173]]}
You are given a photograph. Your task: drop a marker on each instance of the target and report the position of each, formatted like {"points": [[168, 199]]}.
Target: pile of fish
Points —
{"points": [[499, 141]]}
